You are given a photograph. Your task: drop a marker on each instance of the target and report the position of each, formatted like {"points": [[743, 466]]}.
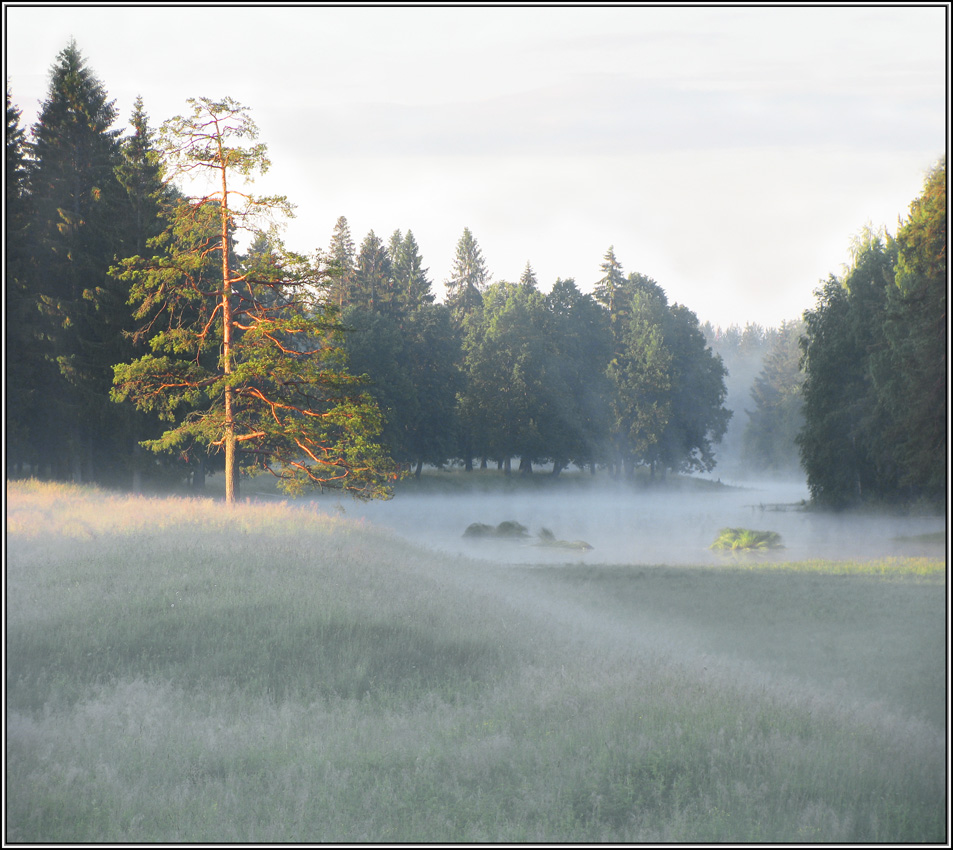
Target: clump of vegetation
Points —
{"points": [[747, 539], [547, 538], [507, 529]]}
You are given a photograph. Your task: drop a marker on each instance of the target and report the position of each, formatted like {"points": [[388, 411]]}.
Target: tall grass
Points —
{"points": [[181, 671]]}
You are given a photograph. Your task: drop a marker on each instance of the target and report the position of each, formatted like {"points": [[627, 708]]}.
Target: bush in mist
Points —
{"points": [[747, 538]]}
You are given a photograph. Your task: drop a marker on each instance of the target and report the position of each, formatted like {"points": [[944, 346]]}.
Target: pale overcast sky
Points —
{"points": [[730, 153]]}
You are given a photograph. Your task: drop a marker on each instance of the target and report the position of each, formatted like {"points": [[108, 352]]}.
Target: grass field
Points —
{"points": [[178, 671]]}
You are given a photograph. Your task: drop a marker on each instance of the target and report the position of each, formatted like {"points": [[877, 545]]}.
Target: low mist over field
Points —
{"points": [[661, 523], [180, 670]]}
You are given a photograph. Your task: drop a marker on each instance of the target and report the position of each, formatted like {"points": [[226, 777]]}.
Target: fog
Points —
{"points": [[661, 524]]}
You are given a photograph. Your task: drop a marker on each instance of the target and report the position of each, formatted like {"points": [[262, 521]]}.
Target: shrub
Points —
{"points": [[734, 539]]}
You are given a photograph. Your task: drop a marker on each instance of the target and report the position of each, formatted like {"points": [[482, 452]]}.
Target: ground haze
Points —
{"points": [[181, 671]]}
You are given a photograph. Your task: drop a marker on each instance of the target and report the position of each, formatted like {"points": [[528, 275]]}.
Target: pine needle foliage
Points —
{"points": [[246, 356]]}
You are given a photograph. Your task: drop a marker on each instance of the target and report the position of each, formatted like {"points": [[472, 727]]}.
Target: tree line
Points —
{"points": [[874, 357], [144, 346], [764, 388], [135, 322]]}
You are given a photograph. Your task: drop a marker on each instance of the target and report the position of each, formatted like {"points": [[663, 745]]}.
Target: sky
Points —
{"points": [[730, 153]]}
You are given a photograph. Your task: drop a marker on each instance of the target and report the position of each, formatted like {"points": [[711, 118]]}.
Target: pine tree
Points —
{"points": [[244, 354]]}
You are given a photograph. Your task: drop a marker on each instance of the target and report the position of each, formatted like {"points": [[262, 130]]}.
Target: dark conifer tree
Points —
{"points": [[78, 205], [373, 287], [608, 288], [140, 174], [339, 262], [468, 277], [147, 205], [24, 365], [412, 285]]}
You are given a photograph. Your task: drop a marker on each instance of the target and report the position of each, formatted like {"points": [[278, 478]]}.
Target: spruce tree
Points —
{"points": [[140, 174], [608, 288], [412, 285], [24, 361], [77, 231], [373, 287], [468, 277], [528, 277], [339, 262]]}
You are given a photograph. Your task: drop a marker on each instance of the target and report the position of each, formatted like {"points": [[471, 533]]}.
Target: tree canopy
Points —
{"points": [[874, 356]]}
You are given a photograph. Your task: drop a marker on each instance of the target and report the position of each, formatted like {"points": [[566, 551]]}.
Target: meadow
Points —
{"points": [[181, 671]]}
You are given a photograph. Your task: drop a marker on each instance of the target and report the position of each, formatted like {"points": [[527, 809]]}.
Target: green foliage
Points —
{"points": [[843, 422], [373, 287], [243, 353], [221, 347], [735, 539], [668, 386], [874, 360], [339, 263], [432, 352], [910, 370], [641, 375], [77, 227], [24, 353], [468, 276], [411, 362], [578, 430], [699, 418], [507, 352], [411, 284], [610, 285]]}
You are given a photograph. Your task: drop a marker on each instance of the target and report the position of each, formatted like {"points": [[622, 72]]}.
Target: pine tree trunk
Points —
{"points": [[231, 475]]}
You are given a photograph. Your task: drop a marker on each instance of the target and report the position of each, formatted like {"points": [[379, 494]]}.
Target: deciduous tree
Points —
{"points": [[842, 442], [910, 370]]}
